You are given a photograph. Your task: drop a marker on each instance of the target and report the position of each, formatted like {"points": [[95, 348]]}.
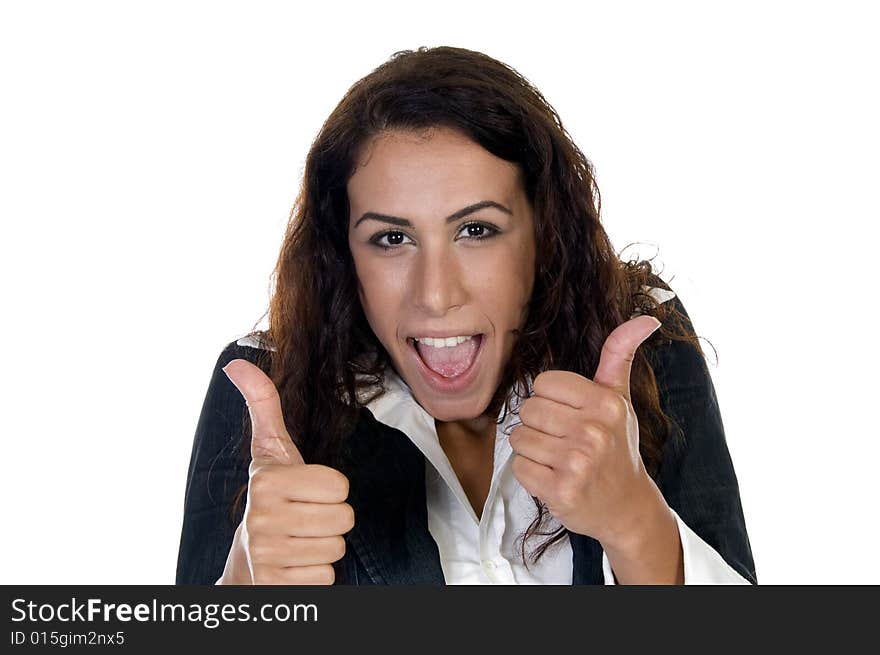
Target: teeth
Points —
{"points": [[447, 342]]}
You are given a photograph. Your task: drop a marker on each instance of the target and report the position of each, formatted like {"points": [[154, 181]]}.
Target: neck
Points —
{"points": [[470, 448], [474, 429]]}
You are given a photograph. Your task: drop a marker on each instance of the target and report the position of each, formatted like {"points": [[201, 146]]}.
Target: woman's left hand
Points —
{"points": [[578, 446]]}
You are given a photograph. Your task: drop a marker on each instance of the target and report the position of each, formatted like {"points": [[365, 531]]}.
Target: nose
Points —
{"points": [[438, 284]]}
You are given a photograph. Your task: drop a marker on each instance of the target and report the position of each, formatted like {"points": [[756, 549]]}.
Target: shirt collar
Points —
{"points": [[398, 408]]}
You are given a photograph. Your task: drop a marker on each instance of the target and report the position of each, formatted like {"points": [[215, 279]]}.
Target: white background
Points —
{"points": [[150, 153]]}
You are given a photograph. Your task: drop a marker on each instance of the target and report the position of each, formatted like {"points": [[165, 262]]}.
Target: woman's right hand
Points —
{"points": [[296, 513]]}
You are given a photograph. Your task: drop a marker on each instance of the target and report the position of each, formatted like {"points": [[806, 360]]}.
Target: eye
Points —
{"points": [[395, 239], [479, 231]]}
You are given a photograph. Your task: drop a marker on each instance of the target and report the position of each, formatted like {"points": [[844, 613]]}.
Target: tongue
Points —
{"points": [[451, 361]]}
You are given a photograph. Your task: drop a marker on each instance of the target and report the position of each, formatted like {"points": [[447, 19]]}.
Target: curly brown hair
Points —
{"points": [[327, 363]]}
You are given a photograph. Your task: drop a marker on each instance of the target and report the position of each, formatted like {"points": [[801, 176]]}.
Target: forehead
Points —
{"points": [[402, 171]]}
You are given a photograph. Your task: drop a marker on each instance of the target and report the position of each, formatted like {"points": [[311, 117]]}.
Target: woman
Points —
{"points": [[457, 364]]}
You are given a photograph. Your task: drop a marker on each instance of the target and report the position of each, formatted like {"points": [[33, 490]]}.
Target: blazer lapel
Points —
{"points": [[386, 473]]}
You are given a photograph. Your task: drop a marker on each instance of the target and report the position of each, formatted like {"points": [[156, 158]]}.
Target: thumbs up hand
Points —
{"points": [[578, 446], [296, 513]]}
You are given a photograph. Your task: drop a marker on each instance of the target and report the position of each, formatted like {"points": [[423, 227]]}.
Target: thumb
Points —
{"points": [[270, 442], [615, 361]]}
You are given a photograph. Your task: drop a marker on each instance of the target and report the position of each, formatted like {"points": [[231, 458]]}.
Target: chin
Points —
{"points": [[454, 411]]}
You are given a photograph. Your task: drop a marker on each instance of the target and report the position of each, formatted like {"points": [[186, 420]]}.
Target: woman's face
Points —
{"points": [[441, 234]]}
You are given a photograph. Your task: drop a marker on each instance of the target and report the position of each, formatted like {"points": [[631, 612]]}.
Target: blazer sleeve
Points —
{"points": [[696, 474], [217, 470]]}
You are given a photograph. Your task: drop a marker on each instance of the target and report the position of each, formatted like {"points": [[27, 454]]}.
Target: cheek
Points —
{"points": [[506, 289], [378, 298], [360, 290]]}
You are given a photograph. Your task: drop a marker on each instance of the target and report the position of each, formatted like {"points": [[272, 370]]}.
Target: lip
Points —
{"points": [[441, 384], [437, 334]]}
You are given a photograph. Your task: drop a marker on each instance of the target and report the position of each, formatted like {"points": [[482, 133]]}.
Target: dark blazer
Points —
{"points": [[390, 542]]}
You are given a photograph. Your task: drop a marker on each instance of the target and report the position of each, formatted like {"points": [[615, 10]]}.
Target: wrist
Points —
{"points": [[645, 511], [650, 551], [236, 571]]}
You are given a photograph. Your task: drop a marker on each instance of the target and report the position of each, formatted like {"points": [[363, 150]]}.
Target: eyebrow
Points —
{"points": [[402, 222]]}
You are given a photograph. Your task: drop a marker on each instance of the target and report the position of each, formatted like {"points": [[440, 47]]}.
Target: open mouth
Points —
{"points": [[447, 359]]}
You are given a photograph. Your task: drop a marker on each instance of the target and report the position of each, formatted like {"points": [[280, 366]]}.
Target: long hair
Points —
{"points": [[326, 361]]}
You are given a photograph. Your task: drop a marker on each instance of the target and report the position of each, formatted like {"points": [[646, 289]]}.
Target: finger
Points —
{"points": [[284, 551], [538, 446], [319, 574], [310, 519], [549, 416], [270, 441], [535, 478], [310, 483], [564, 387], [618, 351]]}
